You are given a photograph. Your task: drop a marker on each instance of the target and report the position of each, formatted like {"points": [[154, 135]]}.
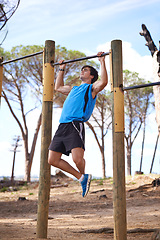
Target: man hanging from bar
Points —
{"points": [[77, 109]]}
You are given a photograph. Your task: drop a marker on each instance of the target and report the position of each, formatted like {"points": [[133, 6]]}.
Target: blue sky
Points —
{"points": [[83, 24], [87, 26]]}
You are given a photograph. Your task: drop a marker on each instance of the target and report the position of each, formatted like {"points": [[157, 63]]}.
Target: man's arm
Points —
{"points": [[100, 85], [59, 85]]}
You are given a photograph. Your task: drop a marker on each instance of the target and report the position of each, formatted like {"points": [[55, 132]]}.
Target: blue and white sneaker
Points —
{"points": [[86, 184]]}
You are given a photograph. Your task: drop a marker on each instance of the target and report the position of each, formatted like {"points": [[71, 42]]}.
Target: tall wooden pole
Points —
{"points": [[44, 178], [119, 192]]}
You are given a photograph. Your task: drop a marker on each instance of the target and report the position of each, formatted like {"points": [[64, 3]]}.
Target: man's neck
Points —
{"points": [[86, 81]]}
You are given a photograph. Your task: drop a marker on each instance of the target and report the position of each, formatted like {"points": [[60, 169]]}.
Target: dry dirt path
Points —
{"points": [[74, 217]]}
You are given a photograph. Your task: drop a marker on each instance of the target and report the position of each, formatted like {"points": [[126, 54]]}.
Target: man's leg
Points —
{"points": [[55, 160], [78, 158]]}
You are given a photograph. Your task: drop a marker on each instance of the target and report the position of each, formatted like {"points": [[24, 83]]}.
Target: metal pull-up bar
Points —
{"points": [[20, 58], [79, 59], [140, 86], [52, 63]]}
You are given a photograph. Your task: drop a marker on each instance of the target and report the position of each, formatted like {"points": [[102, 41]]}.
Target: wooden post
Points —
{"points": [[44, 178], [119, 192]]}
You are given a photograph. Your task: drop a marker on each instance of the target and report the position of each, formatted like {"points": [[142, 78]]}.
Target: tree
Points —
{"points": [[156, 70], [101, 120], [22, 80], [7, 9], [19, 82], [137, 105]]}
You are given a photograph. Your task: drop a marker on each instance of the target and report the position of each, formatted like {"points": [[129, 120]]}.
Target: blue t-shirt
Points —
{"points": [[79, 104]]}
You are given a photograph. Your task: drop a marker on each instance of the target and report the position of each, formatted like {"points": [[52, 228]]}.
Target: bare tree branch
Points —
{"points": [[7, 9]]}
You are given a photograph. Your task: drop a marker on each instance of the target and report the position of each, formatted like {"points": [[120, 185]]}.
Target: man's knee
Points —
{"points": [[78, 160], [54, 158], [50, 160]]}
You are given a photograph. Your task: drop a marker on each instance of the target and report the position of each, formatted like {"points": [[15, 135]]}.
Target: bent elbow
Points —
{"points": [[104, 84], [56, 88]]}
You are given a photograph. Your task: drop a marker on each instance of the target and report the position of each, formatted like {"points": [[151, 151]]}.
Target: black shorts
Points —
{"points": [[68, 136]]}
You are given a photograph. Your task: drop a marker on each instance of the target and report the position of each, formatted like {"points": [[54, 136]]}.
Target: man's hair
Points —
{"points": [[93, 72]]}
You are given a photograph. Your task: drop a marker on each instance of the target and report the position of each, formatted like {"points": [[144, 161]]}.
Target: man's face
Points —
{"points": [[85, 74]]}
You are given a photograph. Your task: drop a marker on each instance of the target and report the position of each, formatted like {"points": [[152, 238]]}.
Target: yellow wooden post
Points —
{"points": [[46, 132], [119, 192], [1, 78]]}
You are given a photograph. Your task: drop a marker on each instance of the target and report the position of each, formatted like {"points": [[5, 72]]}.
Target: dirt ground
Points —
{"points": [[74, 217]]}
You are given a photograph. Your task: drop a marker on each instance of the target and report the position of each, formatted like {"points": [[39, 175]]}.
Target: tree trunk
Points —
{"points": [[102, 152], [100, 147], [128, 160], [154, 52], [34, 143], [142, 145], [154, 153], [27, 176], [24, 136], [27, 157], [156, 90], [103, 164]]}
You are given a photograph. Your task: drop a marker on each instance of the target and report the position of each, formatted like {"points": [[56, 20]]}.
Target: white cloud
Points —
{"points": [[81, 16], [85, 18], [132, 60], [82, 11]]}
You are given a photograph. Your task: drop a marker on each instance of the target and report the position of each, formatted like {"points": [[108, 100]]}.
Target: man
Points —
{"points": [[77, 109]]}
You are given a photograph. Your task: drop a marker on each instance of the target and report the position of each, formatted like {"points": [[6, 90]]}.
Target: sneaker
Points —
{"points": [[86, 184]]}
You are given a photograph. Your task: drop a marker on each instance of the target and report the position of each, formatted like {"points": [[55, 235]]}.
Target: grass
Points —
{"points": [[4, 189]]}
